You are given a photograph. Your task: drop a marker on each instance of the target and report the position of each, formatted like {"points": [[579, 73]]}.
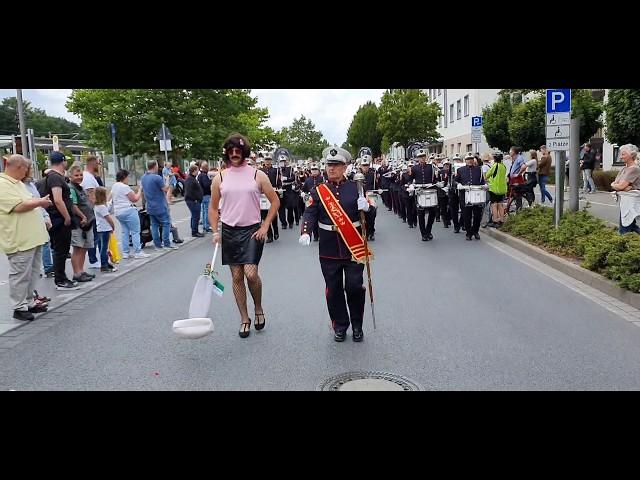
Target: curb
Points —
{"points": [[583, 275], [109, 280]]}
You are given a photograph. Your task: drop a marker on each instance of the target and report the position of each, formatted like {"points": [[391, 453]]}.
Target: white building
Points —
{"points": [[457, 107]]}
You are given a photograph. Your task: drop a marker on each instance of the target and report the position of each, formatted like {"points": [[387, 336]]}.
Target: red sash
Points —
{"points": [[340, 219]]}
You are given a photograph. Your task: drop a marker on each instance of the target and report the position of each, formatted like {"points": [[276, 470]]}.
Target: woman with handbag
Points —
{"points": [[124, 208]]}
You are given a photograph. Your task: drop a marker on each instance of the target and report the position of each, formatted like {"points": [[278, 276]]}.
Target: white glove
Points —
{"points": [[440, 184], [304, 240], [363, 204]]}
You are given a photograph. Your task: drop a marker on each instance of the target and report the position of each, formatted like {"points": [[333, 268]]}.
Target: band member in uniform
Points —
{"points": [[385, 184], [272, 173], [471, 174], [433, 159], [310, 184], [408, 201], [393, 187], [425, 173], [370, 183], [243, 234], [443, 199], [301, 177], [289, 198], [341, 248]]}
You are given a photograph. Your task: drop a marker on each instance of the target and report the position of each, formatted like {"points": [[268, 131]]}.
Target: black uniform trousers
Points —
{"points": [[443, 207], [288, 205], [344, 276], [410, 209], [386, 199], [426, 229], [476, 212], [370, 218], [273, 228], [60, 236], [402, 210]]}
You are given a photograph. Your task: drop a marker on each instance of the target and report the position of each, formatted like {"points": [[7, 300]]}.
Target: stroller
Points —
{"points": [[519, 189], [145, 230]]}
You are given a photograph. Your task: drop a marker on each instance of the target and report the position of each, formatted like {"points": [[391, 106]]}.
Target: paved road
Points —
{"points": [[602, 204], [451, 314]]}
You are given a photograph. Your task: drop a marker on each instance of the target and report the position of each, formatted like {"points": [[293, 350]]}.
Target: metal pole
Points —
{"points": [[560, 163], [23, 129], [164, 135], [115, 158], [574, 166], [37, 175]]}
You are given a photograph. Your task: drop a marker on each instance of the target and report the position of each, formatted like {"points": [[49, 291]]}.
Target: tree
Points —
{"points": [[302, 139], [623, 116], [495, 123], [199, 119], [364, 131], [35, 118], [527, 124], [407, 115]]}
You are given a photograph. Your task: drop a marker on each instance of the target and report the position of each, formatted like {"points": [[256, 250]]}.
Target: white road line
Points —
{"points": [[627, 312]]}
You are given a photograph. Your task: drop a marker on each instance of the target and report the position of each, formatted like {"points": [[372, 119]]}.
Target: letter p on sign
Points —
{"points": [[556, 98]]}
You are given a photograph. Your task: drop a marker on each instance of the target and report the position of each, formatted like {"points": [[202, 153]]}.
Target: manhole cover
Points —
{"points": [[369, 381]]}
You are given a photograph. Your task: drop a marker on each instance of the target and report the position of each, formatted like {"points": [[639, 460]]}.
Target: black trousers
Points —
{"points": [[287, 208], [60, 237], [454, 210], [344, 276], [476, 212], [394, 202], [386, 199], [370, 218], [273, 228], [426, 229], [443, 207], [411, 210]]}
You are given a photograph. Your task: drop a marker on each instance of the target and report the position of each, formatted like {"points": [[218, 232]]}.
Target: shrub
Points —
{"points": [[603, 179]]}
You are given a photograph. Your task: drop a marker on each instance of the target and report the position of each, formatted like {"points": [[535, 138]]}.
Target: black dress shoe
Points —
{"points": [[197, 235], [297, 223], [476, 236], [38, 309], [456, 230], [291, 225], [469, 238], [316, 239], [259, 324], [358, 335], [446, 225], [372, 237], [284, 226], [425, 239], [276, 236], [23, 315], [339, 336], [269, 240]]}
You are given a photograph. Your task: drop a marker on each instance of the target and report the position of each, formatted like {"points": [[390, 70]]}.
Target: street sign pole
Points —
{"points": [[116, 164], [23, 129], [558, 127], [164, 136]]}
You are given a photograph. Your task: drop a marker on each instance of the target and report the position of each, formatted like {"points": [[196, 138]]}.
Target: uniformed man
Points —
{"points": [[425, 173], [393, 187], [436, 160], [330, 203], [443, 199], [408, 200], [471, 174], [370, 183], [272, 173], [310, 184], [289, 200], [385, 184]]}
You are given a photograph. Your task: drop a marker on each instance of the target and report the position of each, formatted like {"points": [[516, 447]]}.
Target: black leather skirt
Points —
{"points": [[238, 248]]}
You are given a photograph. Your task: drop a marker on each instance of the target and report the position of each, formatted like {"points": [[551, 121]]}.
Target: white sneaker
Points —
{"points": [[141, 255], [125, 255], [95, 265]]}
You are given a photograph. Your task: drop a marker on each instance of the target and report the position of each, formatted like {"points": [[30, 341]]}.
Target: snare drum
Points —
{"points": [[476, 195], [373, 199], [426, 198], [265, 204]]}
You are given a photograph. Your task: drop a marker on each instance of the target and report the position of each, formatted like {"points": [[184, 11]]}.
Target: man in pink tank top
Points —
{"points": [[243, 232]]}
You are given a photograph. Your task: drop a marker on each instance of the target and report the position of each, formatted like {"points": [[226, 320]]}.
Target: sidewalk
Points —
{"points": [[45, 286], [602, 204]]}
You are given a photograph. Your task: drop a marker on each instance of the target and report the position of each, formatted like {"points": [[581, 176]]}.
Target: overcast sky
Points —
{"points": [[330, 110]]}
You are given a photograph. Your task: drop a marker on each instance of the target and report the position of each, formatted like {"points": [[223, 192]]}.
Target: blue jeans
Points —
{"points": [[543, 188], [630, 229], [161, 219], [588, 180], [96, 245], [194, 208], [104, 247], [130, 223], [205, 211], [47, 262]]}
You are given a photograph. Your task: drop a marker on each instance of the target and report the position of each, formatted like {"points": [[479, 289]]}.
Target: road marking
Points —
{"points": [[624, 311]]}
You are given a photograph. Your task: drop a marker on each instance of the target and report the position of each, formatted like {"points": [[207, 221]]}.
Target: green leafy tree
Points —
{"points": [[407, 115], [35, 118], [364, 131], [199, 119], [527, 124], [302, 139], [495, 122], [623, 116]]}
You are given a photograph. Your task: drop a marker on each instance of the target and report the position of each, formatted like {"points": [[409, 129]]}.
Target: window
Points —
{"points": [[459, 109], [439, 92], [470, 148], [451, 113], [466, 105], [452, 150], [459, 147]]}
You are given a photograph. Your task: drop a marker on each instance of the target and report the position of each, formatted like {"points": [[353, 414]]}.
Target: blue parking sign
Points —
{"points": [[559, 100], [476, 121]]}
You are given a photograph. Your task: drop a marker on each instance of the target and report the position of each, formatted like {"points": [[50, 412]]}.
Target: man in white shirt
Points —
{"points": [[89, 184]]}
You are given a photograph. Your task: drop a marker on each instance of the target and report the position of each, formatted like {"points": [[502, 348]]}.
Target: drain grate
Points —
{"points": [[368, 381]]}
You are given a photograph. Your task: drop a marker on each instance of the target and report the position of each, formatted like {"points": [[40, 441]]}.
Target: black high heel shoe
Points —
{"points": [[259, 325], [245, 329]]}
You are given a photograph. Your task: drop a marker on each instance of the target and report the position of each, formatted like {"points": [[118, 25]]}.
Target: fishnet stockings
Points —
{"points": [[238, 273]]}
